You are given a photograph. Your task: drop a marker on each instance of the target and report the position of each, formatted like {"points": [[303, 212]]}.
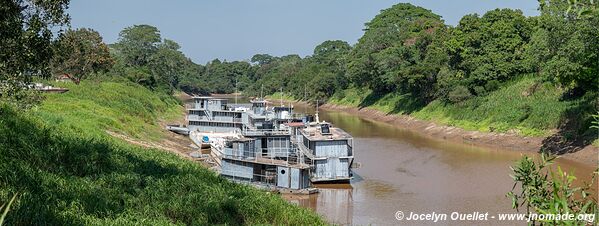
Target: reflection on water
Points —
{"points": [[402, 170], [333, 201]]}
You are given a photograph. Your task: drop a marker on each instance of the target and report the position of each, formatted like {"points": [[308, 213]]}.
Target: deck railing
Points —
{"points": [[264, 132], [286, 157]]}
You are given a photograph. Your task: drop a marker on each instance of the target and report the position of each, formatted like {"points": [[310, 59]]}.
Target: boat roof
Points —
{"points": [[313, 133], [258, 101], [202, 109], [202, 97], [208, 98]]}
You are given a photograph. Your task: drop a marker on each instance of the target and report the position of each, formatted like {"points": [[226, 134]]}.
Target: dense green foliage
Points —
{"points": [[79, 53], [143, 57], [393, 52], [526, 105], [501, 71], [545, 191], [26, 29], [565, 47], [68, 171], [408, 50]]}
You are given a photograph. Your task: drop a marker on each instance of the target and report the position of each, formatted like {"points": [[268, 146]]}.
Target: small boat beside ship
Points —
{"points": [[270, 147]]}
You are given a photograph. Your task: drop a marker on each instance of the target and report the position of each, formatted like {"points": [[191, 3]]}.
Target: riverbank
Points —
{"points": [[490, 140]]}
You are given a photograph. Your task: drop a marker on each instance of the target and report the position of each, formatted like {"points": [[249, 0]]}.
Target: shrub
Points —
{"points": [[459, 94], [544, 191]]}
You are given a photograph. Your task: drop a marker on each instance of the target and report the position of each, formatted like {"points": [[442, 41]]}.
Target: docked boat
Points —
{"points": [[271, 146]]}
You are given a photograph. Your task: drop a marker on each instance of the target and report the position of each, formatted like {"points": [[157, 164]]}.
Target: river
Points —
{"points": [[404, 171]]}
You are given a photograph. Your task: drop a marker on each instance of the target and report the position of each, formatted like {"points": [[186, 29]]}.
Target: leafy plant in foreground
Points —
{"points": [[544, 191]]}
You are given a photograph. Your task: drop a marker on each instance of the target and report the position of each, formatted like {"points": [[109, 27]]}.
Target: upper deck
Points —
{"points": [[315, 133]]}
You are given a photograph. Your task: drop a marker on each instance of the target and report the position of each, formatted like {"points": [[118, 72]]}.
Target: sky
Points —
{"points": [[237, 29]]}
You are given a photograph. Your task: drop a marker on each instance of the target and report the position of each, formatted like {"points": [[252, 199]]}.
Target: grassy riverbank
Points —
{"points": [[525, 106], [67, 170], [280, 96]]}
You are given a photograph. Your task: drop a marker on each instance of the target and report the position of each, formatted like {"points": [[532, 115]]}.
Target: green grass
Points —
{"points": [[509, 108], [279, 96], [68, 171], [126, 108], [505, 109], [392, 103]]}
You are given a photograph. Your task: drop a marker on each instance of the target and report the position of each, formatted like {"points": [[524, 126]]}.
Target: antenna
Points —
{"points": [[236, 91], [281, 96], [261, 92]]}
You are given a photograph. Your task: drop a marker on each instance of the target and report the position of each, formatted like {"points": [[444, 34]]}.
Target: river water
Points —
{"points": [[404, 171]]}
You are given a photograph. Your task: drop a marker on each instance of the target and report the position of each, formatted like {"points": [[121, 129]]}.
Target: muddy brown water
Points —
{"points": [[404, 171]]}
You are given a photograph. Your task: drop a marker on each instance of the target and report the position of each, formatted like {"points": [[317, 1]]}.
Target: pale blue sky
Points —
{"points": [[238, 29]]}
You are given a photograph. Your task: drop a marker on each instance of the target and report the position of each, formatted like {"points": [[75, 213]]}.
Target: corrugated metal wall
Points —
{"points": [[321, 169], [331, 168], [333, 148], [237, 169], [214, 105], [343, 168]]}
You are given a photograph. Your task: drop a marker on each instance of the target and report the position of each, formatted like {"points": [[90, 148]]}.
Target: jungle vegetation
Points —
{"points": [[501, 72]]}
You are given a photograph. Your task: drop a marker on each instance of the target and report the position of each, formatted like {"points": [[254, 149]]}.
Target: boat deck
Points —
{"points": [[268, 161]]}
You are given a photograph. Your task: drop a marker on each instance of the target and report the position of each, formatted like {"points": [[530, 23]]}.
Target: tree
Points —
{"points": [[137, 44], [145, 58], [390, 33], [564, 46], [262, 59], [490, 47], [81, 52], [25, 42], [333, 54], [224, 77], [167, 65]]}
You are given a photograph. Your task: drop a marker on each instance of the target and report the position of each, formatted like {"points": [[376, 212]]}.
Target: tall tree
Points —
{"points": [[483, 52], [491, 47], [262, 59], [392, 28], [333, 54], [565, 45], [137, 44], [167, 65], [81, 52]]}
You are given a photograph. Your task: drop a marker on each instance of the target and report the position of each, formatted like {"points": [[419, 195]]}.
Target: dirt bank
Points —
{"points": [[495, 141]]}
